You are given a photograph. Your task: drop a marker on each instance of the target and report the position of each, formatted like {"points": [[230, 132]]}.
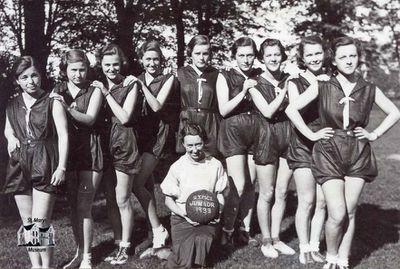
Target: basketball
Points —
{"points": [[202, 206]]}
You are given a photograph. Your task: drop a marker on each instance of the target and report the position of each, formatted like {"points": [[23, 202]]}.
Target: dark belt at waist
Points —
{"points": [[344, 132], [198, 109], [32, 141]]}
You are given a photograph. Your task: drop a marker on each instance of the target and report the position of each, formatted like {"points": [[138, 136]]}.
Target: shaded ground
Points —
{"points": [[376, 243]]}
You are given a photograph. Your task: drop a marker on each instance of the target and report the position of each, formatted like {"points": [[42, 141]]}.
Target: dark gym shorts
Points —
{"points": [[32, 166], [343, 155], [238, 134]]}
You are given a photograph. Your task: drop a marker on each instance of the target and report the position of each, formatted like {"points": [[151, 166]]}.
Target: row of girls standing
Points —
{"points": [[243, 113], [255, 126]]}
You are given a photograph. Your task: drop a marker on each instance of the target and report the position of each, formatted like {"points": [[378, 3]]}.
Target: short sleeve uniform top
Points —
{"points": [[199, 104], [186, 176]]}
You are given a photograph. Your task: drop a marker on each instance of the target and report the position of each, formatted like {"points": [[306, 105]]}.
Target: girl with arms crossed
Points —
{"points": [[238, 136], [156, 133], [342, 156], [121, 102], [269, 97]]}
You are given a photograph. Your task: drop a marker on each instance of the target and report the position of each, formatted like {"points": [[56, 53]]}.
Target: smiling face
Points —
{"points": [[151, 62], [77, 72], [111, 66], [313, 57], [29, 80], [194, 147], [245, 57], [346, 59], [200, 56], [272, 58]]}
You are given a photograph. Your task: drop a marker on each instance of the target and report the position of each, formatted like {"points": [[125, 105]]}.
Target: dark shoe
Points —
{"points": [[226, 238], [242, 238]]}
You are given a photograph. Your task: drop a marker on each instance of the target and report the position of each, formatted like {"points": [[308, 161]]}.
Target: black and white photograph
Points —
{"points": [[200, 134]]}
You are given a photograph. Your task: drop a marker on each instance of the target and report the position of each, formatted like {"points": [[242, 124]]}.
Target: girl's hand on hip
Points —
{"points": [[361, 133]]}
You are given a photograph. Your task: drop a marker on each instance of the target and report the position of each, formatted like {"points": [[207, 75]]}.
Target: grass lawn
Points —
{"points": [[376, 244]]}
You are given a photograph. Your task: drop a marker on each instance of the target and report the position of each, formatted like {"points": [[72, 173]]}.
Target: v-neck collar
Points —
{"points": [[360, 84], [237, 69], [64, 88], [196, 70], [22, 100]]}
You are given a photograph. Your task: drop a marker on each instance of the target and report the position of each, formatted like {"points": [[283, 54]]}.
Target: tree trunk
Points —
{"points": [[177, 9], [125, 24], [35, 39]]}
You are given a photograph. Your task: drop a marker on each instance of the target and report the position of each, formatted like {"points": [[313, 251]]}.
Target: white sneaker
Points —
{"points": [[159, 237], [86, 264], [269, 251], [283, 248]]}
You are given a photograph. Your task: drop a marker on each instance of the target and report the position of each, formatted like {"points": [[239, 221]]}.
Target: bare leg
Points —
{"points": [[123, 195], [353, 188], [146, 199], [24, 203], [305, 186], [42, 210], [318, 219], [336, 204], [236, 166], [278, 209], [88, 184], [110, 181], [247, 201], [266, 180]]}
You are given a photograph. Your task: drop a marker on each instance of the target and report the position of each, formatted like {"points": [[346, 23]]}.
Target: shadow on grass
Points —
{"points": [[375, 227]]}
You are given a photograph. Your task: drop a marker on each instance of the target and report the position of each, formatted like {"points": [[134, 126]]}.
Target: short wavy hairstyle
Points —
{"points": [[72, 56], [21, 64], [193, 129], [151, 45], [111, 49], [312, 40], [270, 42], [198, 40], [243, 41]]}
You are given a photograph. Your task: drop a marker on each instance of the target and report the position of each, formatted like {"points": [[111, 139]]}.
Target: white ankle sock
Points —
{"points": [[124, 244], [314, 246], [304, 248], [158, 229], [87, 256]]}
